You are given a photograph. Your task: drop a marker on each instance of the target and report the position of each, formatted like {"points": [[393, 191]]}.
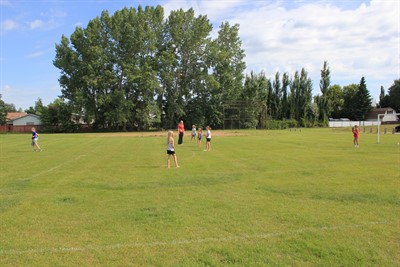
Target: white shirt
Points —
{"points": [[208, 134], [169, 146]]}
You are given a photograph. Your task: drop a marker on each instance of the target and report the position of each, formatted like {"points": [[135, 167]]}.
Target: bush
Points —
{"points": [[278, 125]]}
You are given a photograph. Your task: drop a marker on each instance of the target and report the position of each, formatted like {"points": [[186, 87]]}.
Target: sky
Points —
{"points": [[357, 39]]}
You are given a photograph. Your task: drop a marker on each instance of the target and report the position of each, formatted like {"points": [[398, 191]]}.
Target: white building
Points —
{"points": [[22, 119], [390, 115]]}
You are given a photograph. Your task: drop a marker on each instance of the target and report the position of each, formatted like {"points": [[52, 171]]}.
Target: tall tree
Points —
{"points": [[336, 101], [349, 98], [108, 70], [227, 64], [294, 96], [183, 70], [323, 101], [394, 95], [58, 116], [381, 96], [37, 109], [285, 102], [301, 97], [254, 96], [363, 100], [276, 97]]}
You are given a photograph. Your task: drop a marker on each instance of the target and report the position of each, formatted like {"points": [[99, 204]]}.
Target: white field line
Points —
{"points": [[235, 238], [55, 167]]}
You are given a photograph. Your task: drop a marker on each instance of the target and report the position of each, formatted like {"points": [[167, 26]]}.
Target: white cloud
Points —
{"points": [[356, 39], [36, 54], [25, 96], [356, 42], [9, 25], [37, 23]]}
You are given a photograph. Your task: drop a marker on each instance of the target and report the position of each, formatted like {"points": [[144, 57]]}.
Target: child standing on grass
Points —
{"points": [[356, 134], [181, 131], [208, 139], [199, 135], [171, 149], [193, 133], [35, 138]]}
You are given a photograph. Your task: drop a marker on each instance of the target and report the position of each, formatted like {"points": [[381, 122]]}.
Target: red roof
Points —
{"points": [[15, 115]]}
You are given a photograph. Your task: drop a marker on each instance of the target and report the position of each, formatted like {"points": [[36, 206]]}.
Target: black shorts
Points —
{"points": [[208, 139], [170, 152]]}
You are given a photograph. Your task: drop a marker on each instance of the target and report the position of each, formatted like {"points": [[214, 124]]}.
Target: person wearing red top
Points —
{"points": [[356, 134], [181, 131]]}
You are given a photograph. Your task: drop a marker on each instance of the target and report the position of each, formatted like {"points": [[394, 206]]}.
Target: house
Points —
{"points": [[22, 119], [21, 122], [390, 115]]}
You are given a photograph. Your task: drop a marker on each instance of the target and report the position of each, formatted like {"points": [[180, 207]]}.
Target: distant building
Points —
{"points": [[22, 119], [390, 115], [21, 122]]}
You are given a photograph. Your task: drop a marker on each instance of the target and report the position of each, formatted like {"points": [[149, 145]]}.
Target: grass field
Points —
{"points": [[259, 198]]}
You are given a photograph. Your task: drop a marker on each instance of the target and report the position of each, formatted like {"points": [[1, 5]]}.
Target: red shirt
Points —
{"points": [[181, 128], [356, 132]]}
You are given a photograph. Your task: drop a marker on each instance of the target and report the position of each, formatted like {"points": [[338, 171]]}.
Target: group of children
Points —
{"points": [[196, 135]]}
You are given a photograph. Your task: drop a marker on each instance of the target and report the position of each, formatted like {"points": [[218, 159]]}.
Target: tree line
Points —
{"points": [[137, 70]]}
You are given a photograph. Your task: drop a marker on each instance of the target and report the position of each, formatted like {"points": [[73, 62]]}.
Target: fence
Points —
{"points": [[334, 124], [19, 128], [81, 128]]}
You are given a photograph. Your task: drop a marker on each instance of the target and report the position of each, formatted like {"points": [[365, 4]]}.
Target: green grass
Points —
{"points": [[259, 198]]}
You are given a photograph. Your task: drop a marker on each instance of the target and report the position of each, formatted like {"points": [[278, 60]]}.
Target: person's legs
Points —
{"points": [[176, 161], [35, 144], [208, 144], [180, 138], [169, 161]]}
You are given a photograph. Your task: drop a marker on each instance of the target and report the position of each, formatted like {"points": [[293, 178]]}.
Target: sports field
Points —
{"points": [[258, 198]]}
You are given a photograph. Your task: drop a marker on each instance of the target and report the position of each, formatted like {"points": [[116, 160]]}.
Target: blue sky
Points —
{"points": [[357, 38]]}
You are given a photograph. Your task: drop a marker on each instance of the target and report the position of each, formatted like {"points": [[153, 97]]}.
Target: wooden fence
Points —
{"points": [[83, 128], [19, 129]]}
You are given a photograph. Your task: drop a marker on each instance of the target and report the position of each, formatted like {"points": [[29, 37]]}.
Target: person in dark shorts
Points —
{"points": [[171, 149], [208, 139]]}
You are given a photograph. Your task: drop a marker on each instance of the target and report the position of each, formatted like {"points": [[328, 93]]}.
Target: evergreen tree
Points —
{"points": [[362, 101], [381, 96]]}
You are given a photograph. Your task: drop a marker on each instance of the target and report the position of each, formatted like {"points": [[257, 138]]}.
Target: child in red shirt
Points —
{"points": [[181, 131], [356, 134]]}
